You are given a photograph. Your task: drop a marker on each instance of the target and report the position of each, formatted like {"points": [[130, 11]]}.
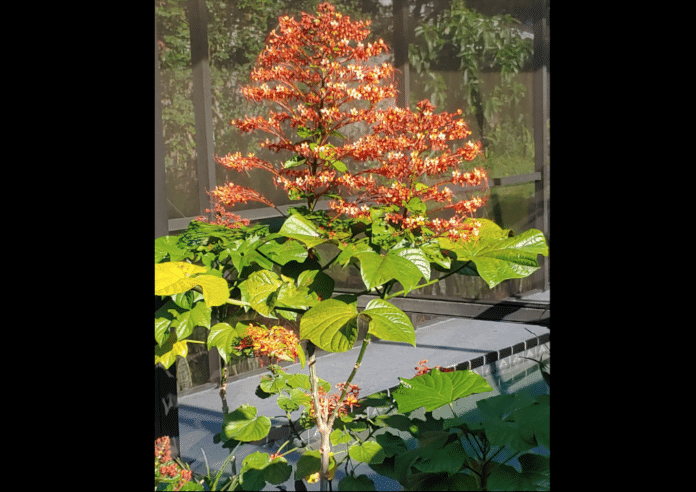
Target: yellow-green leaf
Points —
{"points": [[174, 277], [167, 352]]}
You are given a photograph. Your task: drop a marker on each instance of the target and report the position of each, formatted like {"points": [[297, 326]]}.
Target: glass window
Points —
{"points": [[177, 108]]}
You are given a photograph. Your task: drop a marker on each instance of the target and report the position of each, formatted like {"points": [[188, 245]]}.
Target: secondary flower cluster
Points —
{"points": [[275, 343], [322, 76], [421, 368], [327, 403], [167, 470]]}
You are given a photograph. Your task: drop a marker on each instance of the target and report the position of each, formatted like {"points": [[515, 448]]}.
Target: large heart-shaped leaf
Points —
{"points": [[332, 324], [302, 229], [498, 257], [389, 322], [259, 290], [175, 277], [379, 269], [222, 336], [243, 424], [434, 389], [166, 353], [368, 452]]}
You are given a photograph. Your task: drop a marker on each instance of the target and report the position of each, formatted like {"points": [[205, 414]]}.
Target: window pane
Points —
{"points": [[177, 108]]}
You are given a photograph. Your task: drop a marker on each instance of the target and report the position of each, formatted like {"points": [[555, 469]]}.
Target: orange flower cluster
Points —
{"points": [[327, 403], [275, 343], [166, 467], [322, 77], [421, 368]]}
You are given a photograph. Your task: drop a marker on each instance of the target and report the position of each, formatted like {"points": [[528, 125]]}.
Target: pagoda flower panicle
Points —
{"points": [[275, 343], [327, 403], [319, 75], [167, 470]]}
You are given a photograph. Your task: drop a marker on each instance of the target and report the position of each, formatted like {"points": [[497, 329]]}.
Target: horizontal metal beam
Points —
{"points": [[533, 312]]}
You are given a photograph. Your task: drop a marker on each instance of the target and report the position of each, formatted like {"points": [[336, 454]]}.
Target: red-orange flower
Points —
{"points": [[421, 368], [327, 403], [275, 343]]}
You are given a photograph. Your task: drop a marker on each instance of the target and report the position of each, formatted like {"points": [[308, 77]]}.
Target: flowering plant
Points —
{"points": [[384, 202], [168, 471]]}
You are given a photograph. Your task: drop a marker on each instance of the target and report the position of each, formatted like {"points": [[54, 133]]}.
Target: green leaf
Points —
{"points": [[391, 443], [243, 424], [222, 336], [274, 471], [447, 459], [282, 253], [293, 400], [361, 482], [166, 353], [368, 452], [298, 227], [332, 324], [294, 162], [186, 321], [505, 477], [167, 246], [389, 322], [498, 257], [175, 277], [377, 270], [435, 389], [340, 436], [310, 463], [259, 290], [339, 166]]}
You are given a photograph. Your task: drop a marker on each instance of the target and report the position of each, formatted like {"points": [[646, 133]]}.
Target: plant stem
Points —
{"points": [[363, 348], [223, 389], [325, 447], [431, 282]]}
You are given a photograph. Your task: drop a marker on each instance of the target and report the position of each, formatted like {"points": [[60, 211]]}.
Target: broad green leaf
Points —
{"points": [[186, 321], [505, 477], [389, 322], [301, 381], [368, 452], [167, 246], [302, 229], [447, 459], [361, 482], [163, 320], [377, 270], [310, 463], [417, 257], [174, 277], [282, 253], [243, 424], [391, 443], [222, 336], [498, 257], [340, 436], [292, 401], [259, 290], [499, 421], [435, 389], [332, 324], [274, 471], [166, 353]]}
